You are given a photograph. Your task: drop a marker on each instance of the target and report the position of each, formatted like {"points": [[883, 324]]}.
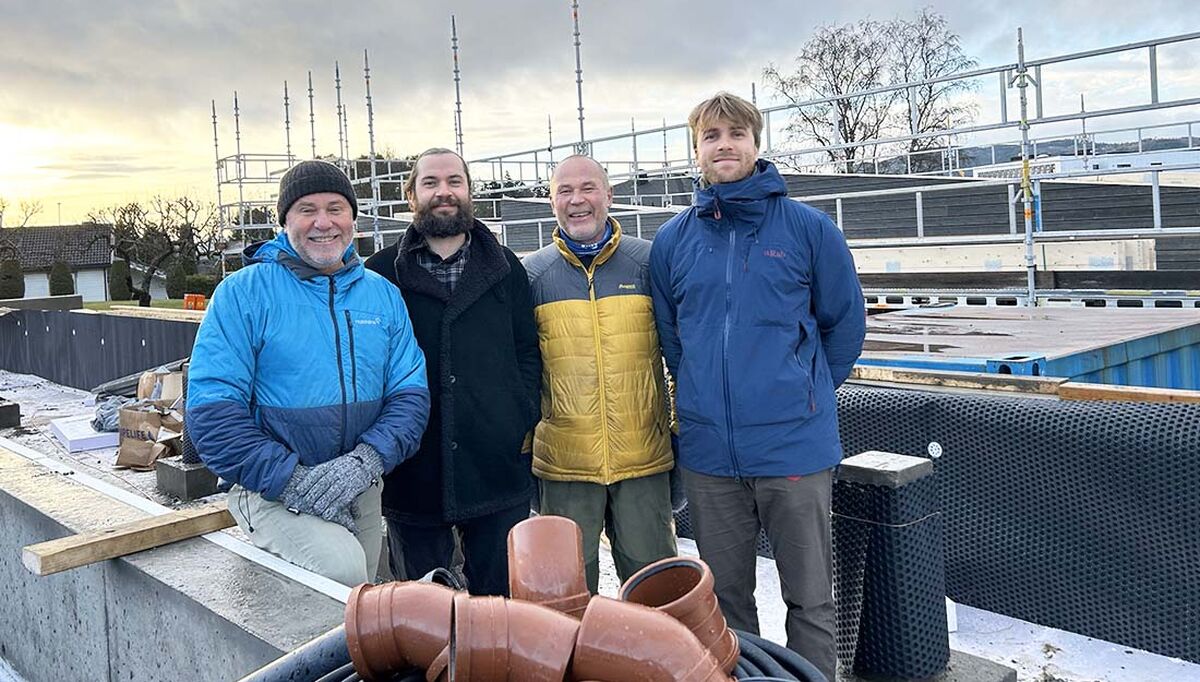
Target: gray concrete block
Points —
{"points": [[53, 627], [189, 610], [10, 414], [963, 667], [885, 469], [185, 481]]}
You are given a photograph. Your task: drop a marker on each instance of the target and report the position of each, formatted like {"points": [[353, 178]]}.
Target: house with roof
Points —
{"points": [[86, 248]]}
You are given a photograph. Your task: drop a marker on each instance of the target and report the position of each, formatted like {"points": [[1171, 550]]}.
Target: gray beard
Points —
{"points": [[436, 226]]}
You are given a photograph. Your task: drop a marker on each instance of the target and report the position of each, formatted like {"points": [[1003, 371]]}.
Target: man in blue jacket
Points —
{"points": [[306, 385], [760, 315]]}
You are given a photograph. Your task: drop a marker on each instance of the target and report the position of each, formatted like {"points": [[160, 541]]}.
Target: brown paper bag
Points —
{"points": [[173, 440], [139, 423], [172, 421], [139, 455]]}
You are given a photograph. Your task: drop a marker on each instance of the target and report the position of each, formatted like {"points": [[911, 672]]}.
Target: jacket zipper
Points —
{"points": [[337, 343], [737, 470], [599, 363], [353, 357]]}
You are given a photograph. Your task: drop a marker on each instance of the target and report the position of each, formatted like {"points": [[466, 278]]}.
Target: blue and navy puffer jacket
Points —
{"points": [[760, 315], [295, 366]]}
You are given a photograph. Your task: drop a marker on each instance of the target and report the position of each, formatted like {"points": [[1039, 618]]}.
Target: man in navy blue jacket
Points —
{"points": [[760, 315]]}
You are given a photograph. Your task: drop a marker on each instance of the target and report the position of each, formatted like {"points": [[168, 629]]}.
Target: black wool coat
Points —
{"points": [[484, 370]]}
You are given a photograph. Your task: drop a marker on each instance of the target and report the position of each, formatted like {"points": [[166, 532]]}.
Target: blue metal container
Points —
{"points": [[1131, 347]]}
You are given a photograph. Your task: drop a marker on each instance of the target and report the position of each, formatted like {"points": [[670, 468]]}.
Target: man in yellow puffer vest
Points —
{"points": [[602, 449]]}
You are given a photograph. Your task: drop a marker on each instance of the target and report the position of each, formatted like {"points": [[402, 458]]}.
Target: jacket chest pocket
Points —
{"points": [[776, 277], [367, 343]]}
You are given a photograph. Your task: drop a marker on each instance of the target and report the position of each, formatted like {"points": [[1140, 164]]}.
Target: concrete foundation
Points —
{"points": [[185, 481], [67, 302], [190, 610], [962, 668], [10, 414]]}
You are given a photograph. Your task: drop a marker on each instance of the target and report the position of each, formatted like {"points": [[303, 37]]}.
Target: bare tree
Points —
{"points": [[836, 61], [869, 55], [161, 231], [926, 49], [27, 209], [3, 207]]}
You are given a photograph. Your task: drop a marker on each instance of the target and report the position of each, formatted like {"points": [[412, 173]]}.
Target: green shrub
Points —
{"points": [[202, 284], [177, 280], [119, 282], [12, 280], [61, 281]]}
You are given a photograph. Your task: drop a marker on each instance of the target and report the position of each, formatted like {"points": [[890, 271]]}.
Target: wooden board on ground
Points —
{"points": [[74, 551], [972, 380], [175, 314], [1138, 394]]}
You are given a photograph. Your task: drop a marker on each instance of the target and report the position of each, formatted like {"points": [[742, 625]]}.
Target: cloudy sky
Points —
{"points": [[106, 102]]}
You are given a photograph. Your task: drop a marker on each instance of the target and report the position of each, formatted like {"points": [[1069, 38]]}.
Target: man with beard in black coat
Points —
{"points": [[472, 314]]}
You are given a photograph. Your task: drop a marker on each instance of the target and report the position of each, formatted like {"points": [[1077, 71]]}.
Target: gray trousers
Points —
{"points": [[726, 515], [635, 513], [311, 542]]}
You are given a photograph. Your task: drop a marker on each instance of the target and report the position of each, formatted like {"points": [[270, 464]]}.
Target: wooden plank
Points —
{"points": [[972, 380], [1073, 390], [177, 314], [74, 551]]}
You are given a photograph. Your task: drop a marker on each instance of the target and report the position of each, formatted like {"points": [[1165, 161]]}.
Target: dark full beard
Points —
{"points": [[436, 226]]}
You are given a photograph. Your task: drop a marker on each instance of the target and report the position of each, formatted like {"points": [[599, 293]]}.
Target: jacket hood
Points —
{"points": [[746, 196], [280, 250]]}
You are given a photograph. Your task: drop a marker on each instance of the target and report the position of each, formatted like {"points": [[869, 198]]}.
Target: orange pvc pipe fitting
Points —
{"points": [[620, 641], [397, 625], [545, 564], [683, 588]]}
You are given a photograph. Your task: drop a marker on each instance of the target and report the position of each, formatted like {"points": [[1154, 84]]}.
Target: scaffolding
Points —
{"points": [[663, 181]]}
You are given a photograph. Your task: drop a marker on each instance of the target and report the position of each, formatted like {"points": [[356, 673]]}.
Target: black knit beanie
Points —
{"points": [[311, 177]]}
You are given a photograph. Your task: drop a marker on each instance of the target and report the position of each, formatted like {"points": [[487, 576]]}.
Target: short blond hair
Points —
{"points": [[729, 108]]}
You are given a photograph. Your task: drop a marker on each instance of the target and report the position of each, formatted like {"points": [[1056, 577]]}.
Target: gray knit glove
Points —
{"points": [[328, 490]]}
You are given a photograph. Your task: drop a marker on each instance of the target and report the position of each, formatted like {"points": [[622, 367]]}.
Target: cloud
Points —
{"points": [[142, 73]]}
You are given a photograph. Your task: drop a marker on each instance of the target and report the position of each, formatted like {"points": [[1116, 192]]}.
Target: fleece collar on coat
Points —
{"points": [[486, 266]]}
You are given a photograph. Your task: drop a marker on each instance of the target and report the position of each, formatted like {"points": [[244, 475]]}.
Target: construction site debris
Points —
{"points": [[79, 433]]}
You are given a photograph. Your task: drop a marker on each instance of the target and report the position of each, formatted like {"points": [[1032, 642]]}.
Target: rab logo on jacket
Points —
{"points": [[774, 253]]}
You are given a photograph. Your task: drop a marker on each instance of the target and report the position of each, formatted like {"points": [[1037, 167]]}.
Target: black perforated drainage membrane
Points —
{"points": [[1082, 516]]}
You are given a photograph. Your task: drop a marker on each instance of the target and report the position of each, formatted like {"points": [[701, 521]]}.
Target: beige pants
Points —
{"points": [[311, 542]]}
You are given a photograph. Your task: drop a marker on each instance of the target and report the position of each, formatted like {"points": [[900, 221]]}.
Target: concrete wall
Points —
{"points": [[188, 611]]}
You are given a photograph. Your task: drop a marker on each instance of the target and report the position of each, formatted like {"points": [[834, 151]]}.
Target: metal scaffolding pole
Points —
{"points": [[578, 74], [458, 131], [222, 223], [377, 238], [237, 136], [1022, 80], [287, 122], [337, 86], [312, 117]]}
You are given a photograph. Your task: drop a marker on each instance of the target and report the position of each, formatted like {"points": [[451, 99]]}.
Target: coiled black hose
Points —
{"points": [[326, 659], [774, 662], [311, 661]]}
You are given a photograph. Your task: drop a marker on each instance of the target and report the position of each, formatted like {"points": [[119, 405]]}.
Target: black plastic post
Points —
{"points": [[888, 530]]}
